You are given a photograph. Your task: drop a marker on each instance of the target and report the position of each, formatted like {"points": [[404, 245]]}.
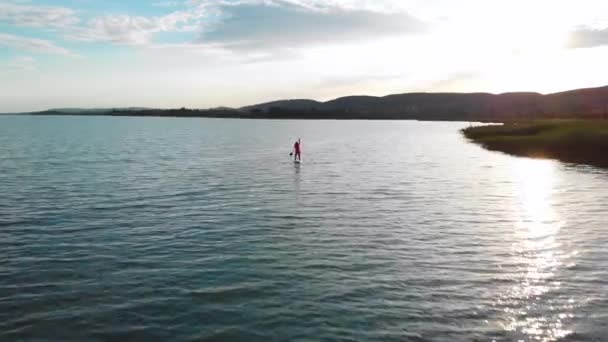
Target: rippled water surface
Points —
{"points": [[203, 229]]}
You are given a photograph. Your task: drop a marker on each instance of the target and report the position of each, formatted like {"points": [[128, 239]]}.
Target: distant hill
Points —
{"points": [[581, 103], [301, 105], [591, 103]]}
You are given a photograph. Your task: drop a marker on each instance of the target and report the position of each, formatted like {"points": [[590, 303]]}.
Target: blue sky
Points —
{"points": [[206, 53]]}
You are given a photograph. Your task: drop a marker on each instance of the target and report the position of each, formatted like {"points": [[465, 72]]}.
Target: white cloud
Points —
{"points": [[23, 63], [587, 37], [135, 30], [236, 24], [37, 16], [254, 26], [121, 29], [386, 6], [118, 29], [33, 45]]}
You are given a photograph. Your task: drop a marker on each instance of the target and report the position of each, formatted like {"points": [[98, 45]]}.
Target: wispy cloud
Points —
{"points": [[135, 30], [237, 25], [385, 6], [34, 45], [262, 25], [37, 16], [588, 37], [23, 63], [120, 29]]}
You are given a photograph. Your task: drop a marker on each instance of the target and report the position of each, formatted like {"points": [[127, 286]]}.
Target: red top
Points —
{"points": [[296, 146]]}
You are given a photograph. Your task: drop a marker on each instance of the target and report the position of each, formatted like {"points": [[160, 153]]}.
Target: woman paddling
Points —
{"points": [[297, 149]]}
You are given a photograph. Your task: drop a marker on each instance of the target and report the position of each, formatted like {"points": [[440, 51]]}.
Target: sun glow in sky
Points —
{"points": [[206, 53]]}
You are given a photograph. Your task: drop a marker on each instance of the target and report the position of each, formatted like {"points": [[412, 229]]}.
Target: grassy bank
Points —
{"points": [[583, 142]]}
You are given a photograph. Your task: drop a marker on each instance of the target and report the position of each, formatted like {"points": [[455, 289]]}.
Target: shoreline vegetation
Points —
{"points": [[570, 141]]}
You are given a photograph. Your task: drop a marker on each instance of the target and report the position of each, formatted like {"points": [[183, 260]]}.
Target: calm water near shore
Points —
{"points": [[203, 229]]}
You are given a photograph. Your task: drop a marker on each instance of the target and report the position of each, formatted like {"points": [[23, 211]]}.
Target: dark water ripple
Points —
{"points": [[165, 229]]}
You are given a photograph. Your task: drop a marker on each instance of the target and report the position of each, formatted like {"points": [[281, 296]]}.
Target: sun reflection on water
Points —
{"points": [[532, 309]]}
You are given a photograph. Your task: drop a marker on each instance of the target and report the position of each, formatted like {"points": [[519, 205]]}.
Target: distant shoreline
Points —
{"points": [[589, 104], [250, 117]]}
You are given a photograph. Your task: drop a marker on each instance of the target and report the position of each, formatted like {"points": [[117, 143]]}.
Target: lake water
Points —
{"points": [[203, 229]]}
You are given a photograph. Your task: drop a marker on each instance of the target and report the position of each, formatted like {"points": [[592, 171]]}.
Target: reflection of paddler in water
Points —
{"points": [[297, 150]]}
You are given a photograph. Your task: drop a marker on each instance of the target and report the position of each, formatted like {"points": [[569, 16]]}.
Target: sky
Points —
{"points": [[209, 53]]}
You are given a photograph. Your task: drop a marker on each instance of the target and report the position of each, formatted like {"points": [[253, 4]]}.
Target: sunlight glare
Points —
{"points": [[538, 224]]}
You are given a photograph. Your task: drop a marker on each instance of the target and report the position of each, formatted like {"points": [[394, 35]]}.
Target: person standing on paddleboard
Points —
{"points": [[297, 149]]}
